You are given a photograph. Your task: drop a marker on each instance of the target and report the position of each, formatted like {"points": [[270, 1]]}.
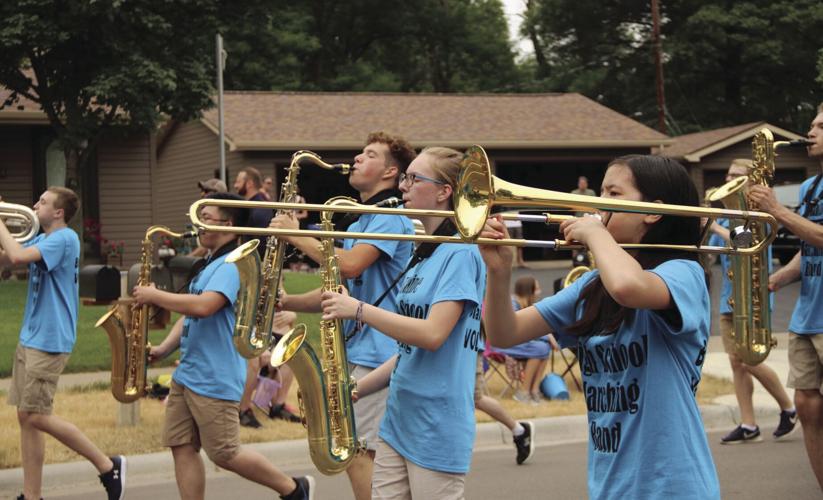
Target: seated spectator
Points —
{"points": [[534, 353]]}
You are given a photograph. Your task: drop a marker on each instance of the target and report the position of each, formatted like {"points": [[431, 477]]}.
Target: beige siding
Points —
{"points": [[16, 165], [125, 193], [188, 155]]}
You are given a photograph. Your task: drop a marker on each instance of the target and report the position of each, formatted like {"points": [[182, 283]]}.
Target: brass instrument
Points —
{"points": [[477, 192], [321, 367], [20, 220], [578, 271], [253, 327], [749, 274], [128, 330]]}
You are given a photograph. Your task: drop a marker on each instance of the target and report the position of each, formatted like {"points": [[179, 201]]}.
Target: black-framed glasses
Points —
{"points": [[412, 178]]}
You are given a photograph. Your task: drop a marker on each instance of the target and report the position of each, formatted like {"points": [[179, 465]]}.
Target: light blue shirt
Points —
{"points": [[369, 347], [50, 317], [806, 318], [429, 417], [209, 363], [646, 437]]}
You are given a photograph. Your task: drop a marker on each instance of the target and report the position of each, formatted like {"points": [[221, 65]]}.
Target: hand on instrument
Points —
{"points": [[284, 221], [582, 229], [282, 297], [497, 258], [764, 198], [156, 353], [144, 294], [283, 321], [338, 305]]}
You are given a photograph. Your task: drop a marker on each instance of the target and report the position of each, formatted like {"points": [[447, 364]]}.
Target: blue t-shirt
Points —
{"points": [[50, 317], [726, 284], [429, 417], [209, 363], [369, 347], [806, 318], [646, 437]]}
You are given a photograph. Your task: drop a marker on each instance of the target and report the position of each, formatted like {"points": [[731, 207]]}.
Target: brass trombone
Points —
{"points": [[21, 221], [476, 193]]}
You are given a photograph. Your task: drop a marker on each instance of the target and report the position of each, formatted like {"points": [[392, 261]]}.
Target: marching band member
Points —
{"points": [[427, 434], [640, 323], [46, 340], [370, 267], [202, 407], [806, 327]]}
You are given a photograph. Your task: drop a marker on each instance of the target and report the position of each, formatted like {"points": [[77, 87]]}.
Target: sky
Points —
{"points": [[512, 9]]}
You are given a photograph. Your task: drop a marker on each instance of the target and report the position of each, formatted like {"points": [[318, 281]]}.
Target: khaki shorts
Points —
{"points": [[195, 420], [479, 379], [396, 478], [727, 333], [806, 362], [368, 411], [34, 379]]}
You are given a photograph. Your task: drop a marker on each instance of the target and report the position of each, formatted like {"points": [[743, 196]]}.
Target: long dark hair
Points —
{"points": [[657, 178]]}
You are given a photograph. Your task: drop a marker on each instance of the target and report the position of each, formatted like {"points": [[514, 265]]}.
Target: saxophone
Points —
{"points": [[749, 275], [319, 363], [128, 330], [260, 288]]}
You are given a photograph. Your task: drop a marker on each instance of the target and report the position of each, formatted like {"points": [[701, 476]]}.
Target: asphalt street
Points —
{"points": [[765, 470]]}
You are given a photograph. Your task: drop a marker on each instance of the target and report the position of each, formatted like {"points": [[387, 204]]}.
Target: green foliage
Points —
{"points": [[726, 61], [94, 64], [370, 45]]}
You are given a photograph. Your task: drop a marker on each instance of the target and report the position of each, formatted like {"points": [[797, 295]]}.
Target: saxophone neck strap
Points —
{"points": [[808, 202]]}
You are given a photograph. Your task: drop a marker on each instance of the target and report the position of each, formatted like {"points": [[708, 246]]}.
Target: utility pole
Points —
{"points": [[658, 64], [221, 63]]}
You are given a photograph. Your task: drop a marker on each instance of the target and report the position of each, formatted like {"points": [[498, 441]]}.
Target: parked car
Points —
{"points": [[786, 244]]}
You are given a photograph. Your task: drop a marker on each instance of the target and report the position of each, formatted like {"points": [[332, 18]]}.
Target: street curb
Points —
{"points": [[294, 454]]}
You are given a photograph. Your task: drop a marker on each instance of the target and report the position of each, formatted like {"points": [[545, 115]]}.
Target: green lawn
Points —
{"points": [[92, 351]]}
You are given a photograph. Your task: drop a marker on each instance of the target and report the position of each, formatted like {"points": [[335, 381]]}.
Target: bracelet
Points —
{"points": [[358, 317]]}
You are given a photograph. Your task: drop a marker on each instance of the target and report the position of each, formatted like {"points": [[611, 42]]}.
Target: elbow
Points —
{"points": [[350, 272], [624, 293], [201, 311]]}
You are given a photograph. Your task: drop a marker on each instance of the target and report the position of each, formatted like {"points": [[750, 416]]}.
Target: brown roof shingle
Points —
{"points": [[689, 143], [285, 120]]}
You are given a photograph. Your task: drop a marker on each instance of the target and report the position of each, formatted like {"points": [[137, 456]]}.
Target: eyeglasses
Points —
{"points": [[412, 178], [209, 220]]}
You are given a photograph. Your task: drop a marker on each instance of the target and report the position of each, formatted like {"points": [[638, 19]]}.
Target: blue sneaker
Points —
{"points": [[788, 420]]}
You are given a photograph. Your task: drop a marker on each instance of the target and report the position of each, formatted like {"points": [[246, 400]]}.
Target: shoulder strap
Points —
{"points": [[807, 200]]}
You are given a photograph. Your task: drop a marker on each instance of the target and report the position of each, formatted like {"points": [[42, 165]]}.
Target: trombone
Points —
{"points": [[21, 221], [477, 191]]}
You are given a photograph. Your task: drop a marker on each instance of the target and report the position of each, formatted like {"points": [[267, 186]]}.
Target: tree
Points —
{"points": [[371, 45], [726, 61], [97, 66]]}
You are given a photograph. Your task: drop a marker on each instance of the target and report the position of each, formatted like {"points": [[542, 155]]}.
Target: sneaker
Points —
{"points": [[115, 480], [788, 420], [280, 411], [537, 398], [741, 435], [304, 490], [525, 443], [247, 419], [522, 397], [23, 497]]}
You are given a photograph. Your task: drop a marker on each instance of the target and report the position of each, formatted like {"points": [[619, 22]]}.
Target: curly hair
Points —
{"points": [[401, 152]]}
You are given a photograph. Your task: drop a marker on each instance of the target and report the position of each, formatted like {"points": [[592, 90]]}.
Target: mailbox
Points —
{"points": [[100, 283]]}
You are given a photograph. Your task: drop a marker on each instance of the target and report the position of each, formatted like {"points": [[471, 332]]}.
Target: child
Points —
{"points": [[427, 433], [46, 340], [202, 407], [641, 323]]}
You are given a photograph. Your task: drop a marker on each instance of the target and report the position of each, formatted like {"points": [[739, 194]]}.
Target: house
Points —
{"points": [[708, 154], [537, 140]]}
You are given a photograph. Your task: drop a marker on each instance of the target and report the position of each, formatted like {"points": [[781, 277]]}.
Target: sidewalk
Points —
{"points": [[155, 467]]}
